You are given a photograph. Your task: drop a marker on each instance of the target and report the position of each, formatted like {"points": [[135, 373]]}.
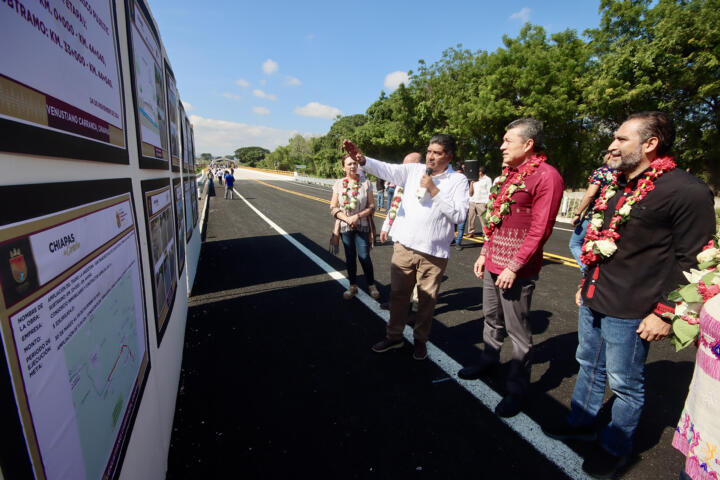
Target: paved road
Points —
{"points": [[278, 378]]}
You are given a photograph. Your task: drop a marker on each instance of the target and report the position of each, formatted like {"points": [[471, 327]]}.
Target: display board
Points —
{"points": [[148, 88], [173, 108], [194, 201], [161, 242], [61, 89], [184, 130], [190, 219], [192, 148], [73, 324], [179, 222]]}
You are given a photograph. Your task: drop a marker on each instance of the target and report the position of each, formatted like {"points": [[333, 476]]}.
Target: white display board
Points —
{"points": [[73, 84], [74, 331]]}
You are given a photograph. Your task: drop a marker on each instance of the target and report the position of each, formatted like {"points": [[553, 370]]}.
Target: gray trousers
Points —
{"points": [[507, 312]]}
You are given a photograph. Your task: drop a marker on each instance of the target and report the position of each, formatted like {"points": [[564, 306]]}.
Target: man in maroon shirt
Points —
{"points": [[523, 213]]}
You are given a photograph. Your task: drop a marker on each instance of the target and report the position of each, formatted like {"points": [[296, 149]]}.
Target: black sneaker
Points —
{"points": [[385, 344], [509, 406], [600, 463], [565, 431], [474, 372]]}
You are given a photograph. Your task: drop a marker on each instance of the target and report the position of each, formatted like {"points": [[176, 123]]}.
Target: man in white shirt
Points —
{"points": [[432, 204], [479, 198]]}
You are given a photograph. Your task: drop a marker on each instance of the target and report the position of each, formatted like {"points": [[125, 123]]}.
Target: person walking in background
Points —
{"points": [[460, 227], [390, 191], [229, 182], [435, 199], [523, 206], [647, 228], [581, 216], [210, 182], [380, 187], [479, 197], [352, 203]]}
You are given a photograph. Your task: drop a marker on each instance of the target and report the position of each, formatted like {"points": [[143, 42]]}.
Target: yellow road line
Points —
{"points": [[570, 262]]}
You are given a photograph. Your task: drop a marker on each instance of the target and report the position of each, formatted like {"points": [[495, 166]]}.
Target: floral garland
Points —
{"points": [[394, 205], [348, 198], [704, 284], [500, 204], [601, 244]]}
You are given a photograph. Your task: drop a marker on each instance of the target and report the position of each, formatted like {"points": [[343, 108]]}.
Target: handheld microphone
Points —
{"points": [[421, 191]]}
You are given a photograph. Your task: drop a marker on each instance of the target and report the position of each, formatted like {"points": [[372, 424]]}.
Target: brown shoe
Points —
{"points": [[420, 351], [386, 344]]}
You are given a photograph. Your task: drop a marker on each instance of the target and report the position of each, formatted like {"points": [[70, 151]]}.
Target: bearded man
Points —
{"points": [[647, 227]]}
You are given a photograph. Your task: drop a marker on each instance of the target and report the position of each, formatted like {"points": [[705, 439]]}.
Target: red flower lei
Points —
{"points": [[394, 205], [501, 195], [348, 198], [600, 244]]}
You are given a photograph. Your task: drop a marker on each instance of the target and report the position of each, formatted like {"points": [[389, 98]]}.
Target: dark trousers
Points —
{"points": [[508, 310]]}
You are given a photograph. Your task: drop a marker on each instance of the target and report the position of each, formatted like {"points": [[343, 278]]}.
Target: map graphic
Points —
{"points": [[103, 359]]}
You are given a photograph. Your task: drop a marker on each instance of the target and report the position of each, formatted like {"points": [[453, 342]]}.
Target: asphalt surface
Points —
{"points": [[278, 378]]}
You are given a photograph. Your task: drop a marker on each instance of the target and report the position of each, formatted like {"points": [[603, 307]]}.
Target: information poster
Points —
{"points": [[149, 88], [194, 201], [192, 148], [60, 82], [185, 143], [173, 104], [161, 240], [74, 333], [179, 222], [187, 185]]}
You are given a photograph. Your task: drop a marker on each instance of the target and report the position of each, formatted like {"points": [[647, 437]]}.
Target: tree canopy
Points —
{"points": [[644, 55]]}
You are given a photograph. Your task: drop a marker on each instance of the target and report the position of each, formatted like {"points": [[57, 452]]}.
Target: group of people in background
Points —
{"points": [[225, 177], [640, 225]]}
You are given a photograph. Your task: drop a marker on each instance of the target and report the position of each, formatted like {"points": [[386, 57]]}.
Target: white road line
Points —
{"points": [[557, 452], [564, 229]]}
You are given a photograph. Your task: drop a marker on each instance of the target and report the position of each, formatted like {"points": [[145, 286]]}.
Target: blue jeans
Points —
{"points": [[460, 231], [608, 347], [390, 194], [381, 199], [357, 245], [576, 242]]}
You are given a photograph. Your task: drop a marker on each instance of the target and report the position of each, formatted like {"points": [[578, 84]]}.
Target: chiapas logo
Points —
{"points": [[18, 267]]}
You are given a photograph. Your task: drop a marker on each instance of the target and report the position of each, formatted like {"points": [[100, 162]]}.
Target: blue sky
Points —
{"points": [[257, 73]]}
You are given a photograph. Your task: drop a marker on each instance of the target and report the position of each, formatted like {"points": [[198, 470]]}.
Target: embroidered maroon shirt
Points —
{"points": [[517, 243]]}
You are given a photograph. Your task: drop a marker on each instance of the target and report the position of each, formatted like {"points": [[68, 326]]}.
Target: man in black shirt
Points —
{"points": [[631, 267]]}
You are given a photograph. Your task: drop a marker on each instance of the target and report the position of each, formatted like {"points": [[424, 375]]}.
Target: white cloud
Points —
{"points": [[242, 82], [187, 106], [269, 66], [231, 96], [314, 109], [221, 137], [261, 110], [260, 94], [292, 81], [394, 79], [523, 15]]}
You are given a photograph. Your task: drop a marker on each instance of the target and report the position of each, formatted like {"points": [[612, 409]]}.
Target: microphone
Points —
{"points": [[421, 191]]}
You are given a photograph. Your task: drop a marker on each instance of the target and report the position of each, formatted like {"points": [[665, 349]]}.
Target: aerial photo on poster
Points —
{"points": [[149, 87], [162, 247]]}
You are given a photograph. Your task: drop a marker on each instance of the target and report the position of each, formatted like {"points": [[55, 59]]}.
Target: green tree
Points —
{"points": [[251, 155]]}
